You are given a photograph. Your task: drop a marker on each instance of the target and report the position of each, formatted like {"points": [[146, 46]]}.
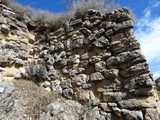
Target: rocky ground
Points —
{"points": [[92, 68]]}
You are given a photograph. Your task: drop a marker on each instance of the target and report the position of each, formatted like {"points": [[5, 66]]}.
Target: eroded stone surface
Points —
{"points": [[7, 98]]}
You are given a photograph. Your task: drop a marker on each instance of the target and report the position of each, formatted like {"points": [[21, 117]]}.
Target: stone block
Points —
{"points": [[101, 42], [100, 66], [113, 96], [140, 103], [111, 73], [96, 76], [151, 114]]}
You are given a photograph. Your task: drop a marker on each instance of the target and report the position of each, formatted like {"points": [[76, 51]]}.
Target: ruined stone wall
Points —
{"points": [[94, 59]]}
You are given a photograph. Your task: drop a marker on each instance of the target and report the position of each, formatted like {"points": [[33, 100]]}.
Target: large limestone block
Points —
{"points": [[113, 96], [149, 102]]}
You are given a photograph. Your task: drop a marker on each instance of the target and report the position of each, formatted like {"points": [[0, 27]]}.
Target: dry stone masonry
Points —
{"points": [[94, 61]]}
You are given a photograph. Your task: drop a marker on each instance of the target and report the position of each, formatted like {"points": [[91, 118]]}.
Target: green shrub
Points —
{"points": [[36, 71]]}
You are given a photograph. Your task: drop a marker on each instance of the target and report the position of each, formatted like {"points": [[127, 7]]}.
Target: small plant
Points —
{"points": [[36, 71]]}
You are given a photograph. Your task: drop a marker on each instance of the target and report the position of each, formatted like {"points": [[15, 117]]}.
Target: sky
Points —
{"points": [[147, 28]]}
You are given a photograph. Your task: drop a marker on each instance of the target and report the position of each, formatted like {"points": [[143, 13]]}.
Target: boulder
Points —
{"points": [[56, 86], [68, 93], [110, 74], [80, 79], [96, 76], [123, 25], [99, 66], [101, 42], [3, 20], [132, 115], [76, 22], [93, 115], [85, 31], [113, 96], [5, 29], [7, 98], [95, 59]]}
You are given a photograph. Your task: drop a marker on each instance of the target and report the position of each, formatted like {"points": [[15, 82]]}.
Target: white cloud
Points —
{"points": [[148, 33], [154, 3], [156, 74], [147, 13], [157, 4]]}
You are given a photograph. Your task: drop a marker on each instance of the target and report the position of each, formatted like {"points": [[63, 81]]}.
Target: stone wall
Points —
{"points": [[94, 59]]}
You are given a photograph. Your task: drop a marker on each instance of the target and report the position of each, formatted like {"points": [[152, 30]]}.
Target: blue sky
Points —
{"points": [[147, 29]]}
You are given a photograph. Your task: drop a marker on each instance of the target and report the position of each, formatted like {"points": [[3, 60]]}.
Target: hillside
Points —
{"points": [[91, 68]]}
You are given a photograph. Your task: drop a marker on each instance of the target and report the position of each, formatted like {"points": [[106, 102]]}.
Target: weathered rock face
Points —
{"points": [[15, 44], [94, 59]]}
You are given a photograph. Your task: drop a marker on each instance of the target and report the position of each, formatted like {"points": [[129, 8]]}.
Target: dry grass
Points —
{"points": [[17, 8], [20, 9], [55, 20], [34, 97], [82, 6], [132, 16]]}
